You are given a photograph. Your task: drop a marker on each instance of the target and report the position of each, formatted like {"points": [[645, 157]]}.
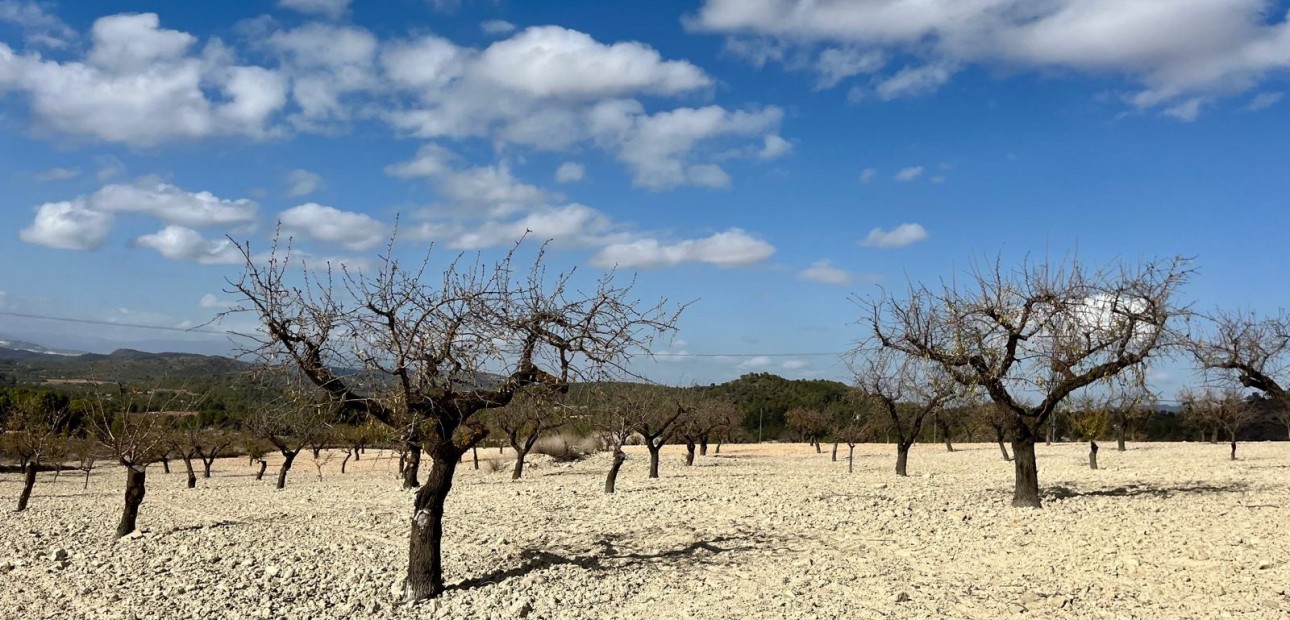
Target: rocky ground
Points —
{"points": [[771, 531]]}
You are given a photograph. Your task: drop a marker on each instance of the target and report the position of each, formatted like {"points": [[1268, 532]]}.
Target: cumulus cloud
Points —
{"points": [[331, 9], [837, 64], [731, 248], [186, 244], [326, 63], [211, 301], [39, 27], [68, 225], [755, 363], [868, 174], [302, 182], [141, 85], [794, 364], [1175, 51], [1263, 101], [492, 189], [350, 230], [774, 147], [85, 222], [570, 172], [906, 175], [824, 272], [898, 237]]}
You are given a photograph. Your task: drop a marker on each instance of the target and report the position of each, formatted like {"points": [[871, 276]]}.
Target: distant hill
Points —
{"points": [[28, 363]]}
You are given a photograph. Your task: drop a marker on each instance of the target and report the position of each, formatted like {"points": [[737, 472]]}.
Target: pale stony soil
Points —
{"points": [[773, 531]]}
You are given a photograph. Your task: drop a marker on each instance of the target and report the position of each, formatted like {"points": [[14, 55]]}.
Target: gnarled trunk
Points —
{"points": [[263, 465], [474, 454], [425, 560], [689, 453], [703, 445], [1092, 455], [818, 449], [1025, 492], [851, 458], [902, 458], [835, 450], [28, 483], [653, 458], [345, 461], [612, 478], [135, 479], [288, 457], [998, 436], [165, 464], [1121, 429], [192, 476], [412, 466], [520, 455], [1232, 436], [718, 447]]}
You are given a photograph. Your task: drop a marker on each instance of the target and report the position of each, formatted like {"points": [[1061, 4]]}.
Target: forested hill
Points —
{"points": [[124, 365], [766, 398]]}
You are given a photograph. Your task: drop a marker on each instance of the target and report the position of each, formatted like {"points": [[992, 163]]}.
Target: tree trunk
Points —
{"points": [[412, 466], [1232, 436], [345, 461], [689, 453], [1092, 455], [818, 449], [902, 459], [1052, 432], [945, 432], [165, 465], [263, 465], [192, 476], [653, 458], [835, 450], [1025, 493], [612, 478], [87, 480], [288, 458], [425, 561], [1121, 429], [28, 482], [998, 434], [519, 464], [316, 451], [135, 478], [718, 447], [851, 458], [703, 445], [474, 454], [206, 465]]}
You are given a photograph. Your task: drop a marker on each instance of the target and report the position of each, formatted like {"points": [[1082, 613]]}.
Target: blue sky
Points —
{"points": [[768, 158]]}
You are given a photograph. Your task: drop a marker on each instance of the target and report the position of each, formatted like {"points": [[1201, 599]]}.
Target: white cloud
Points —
{"points": [[754, 363], [794, 364], [173, 205], [492, 190], [58, 174], [39, 27], [550, 61], [1175, 51], [868, 174], [572, 224], [302, 182], [139, 85], [353, 231], [656, 147], [898, 237], [906, 175], [497, 26], [1187, 111], [109, 167], [186, 244], [837, 64], [824, 272], [210, 301], [731, 248], [774, 147], [1263, 101], [68, 225], [331, 9], [570, 172]]}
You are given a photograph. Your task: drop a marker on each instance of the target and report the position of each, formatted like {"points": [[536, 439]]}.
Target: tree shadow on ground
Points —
{"points": [[608, 557], [1136, 490]]}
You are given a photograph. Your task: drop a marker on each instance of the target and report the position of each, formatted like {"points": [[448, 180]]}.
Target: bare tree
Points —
{"points": [[430, 343], [256, 450], [1046, 330], [133, 424], [908, 389], [809, 424], [1220, 409], [1089, 420], [297, 419], [856, 426], [708, 417], [36, 426], [530, 414], [659, 421], [1254, 352]]}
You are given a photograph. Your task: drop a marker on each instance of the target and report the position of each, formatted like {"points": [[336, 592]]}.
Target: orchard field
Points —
{"points": [[1164, 530]]}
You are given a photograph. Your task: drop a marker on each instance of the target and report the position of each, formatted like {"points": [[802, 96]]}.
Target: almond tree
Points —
{"points": [[1044, 330], [133, 424], [1218, 409], [1089, 421], [295, 420], [908, 389], [422, 344], [531, 413], [708, 417], [810, 424], [1242, 348], [36, 425], [661, 420]]}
